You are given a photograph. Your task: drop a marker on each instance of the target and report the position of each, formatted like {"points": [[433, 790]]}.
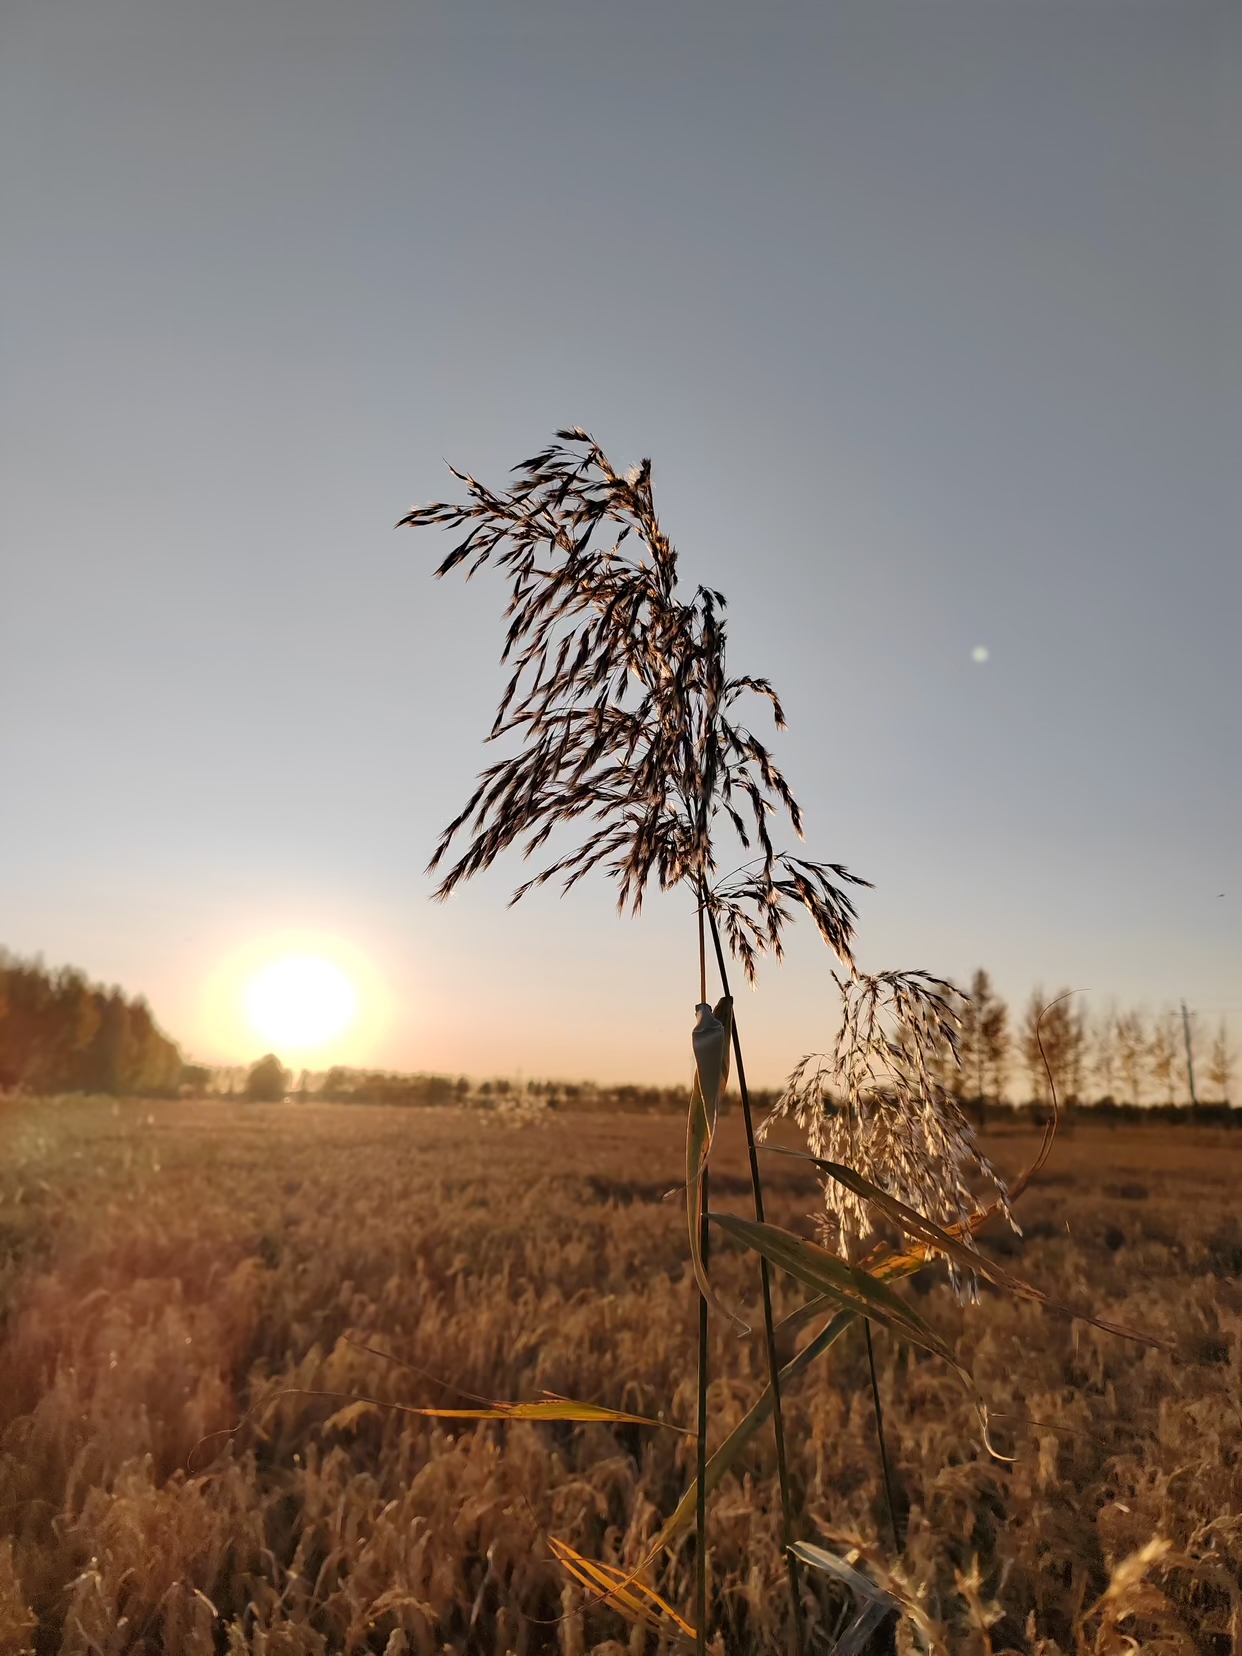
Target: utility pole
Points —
{"points": [[1190, 1062]]}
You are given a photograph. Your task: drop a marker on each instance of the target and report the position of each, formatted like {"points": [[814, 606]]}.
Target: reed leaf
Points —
{"points": [[745, 1430], [819, 1558], [548, 1408], [710, 1056], [622, 1590], [887, 1599], [875, 1604], [851, 1287], [942, 1242]]}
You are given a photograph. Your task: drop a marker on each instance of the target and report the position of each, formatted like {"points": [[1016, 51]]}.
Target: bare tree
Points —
{"points": [[1131, 1033], [1162, 1054], [1102, 1057], [1222, 1064]]}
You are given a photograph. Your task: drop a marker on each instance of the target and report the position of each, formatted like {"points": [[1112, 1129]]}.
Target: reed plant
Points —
{"points": [[621, 714]]}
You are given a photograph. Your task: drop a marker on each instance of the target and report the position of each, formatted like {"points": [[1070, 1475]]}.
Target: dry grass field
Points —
{"points": [[166, 1268]]}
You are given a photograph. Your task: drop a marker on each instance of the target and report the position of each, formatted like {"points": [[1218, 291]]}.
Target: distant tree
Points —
{"points": [[1162, 1055], [993, 1038], [1060, 1029], [970, 1048], [229, 1080], [267, 1081], [1221, 1064], [984, 1045], [58, 1033], [1131, 1034], [154, 1063], [1101, 1061]]}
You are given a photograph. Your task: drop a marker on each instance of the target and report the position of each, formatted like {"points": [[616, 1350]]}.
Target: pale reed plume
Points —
{"points": [[877, 1103]]}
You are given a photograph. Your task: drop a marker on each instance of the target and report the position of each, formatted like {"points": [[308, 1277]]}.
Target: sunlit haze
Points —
{"points": [[928, 318], [312, 998], [299, 1003]]}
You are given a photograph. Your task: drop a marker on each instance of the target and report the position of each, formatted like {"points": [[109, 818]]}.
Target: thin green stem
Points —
{"points": [[879, 1427], [769, 1326]]}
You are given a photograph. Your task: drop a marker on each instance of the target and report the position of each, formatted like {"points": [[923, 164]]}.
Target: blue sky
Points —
{"points": [[928, 319]]}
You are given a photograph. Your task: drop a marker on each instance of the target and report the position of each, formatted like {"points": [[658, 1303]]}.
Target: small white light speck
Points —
{"points": [[980, 653]]}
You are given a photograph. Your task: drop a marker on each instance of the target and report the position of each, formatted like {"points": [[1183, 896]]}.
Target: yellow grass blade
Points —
{"points": [[628, 1596], [548, 1409]]}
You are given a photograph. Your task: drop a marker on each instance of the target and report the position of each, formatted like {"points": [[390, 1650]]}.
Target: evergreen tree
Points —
{"points": [[984, 1043]]}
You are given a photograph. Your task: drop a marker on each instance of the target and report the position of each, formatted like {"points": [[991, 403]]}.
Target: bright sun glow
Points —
{"points": [[300, 1002]]}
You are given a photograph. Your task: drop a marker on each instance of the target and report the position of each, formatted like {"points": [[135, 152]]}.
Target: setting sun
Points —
{"points": [[300, 1002]]}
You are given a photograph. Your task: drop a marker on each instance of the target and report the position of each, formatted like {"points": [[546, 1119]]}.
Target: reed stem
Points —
{"points": [[700, 1557], [879, 1427], [700, 1511], [769, 1327]]}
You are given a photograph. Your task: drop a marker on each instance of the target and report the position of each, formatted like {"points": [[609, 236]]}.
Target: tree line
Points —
{"points": [[1125, 1057], [60, 1033], [268, 1081]]}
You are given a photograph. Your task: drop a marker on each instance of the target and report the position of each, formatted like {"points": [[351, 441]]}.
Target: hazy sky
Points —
{"points": [[928, 316]]}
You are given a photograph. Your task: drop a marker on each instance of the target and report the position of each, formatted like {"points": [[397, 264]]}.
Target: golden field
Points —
{"points": [[168, 1269]]}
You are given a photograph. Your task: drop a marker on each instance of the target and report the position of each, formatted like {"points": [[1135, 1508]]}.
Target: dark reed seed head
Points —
{"points": [[621, 707]]}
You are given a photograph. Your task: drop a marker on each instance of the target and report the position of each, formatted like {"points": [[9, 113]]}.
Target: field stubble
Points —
{"points": [[165, 1269]]}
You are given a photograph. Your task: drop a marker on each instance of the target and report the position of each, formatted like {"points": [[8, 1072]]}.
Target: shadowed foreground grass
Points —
{"points": [[165, 1268]]}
